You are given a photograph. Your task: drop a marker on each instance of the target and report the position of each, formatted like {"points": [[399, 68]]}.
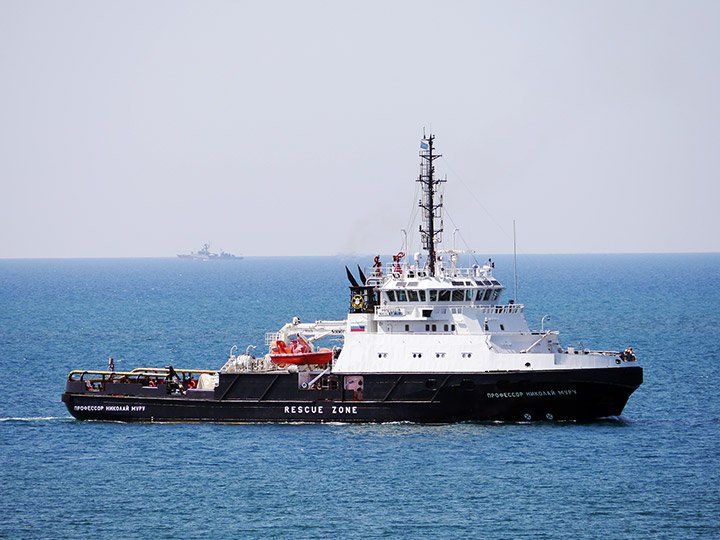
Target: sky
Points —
{"points": [[145, 129]]}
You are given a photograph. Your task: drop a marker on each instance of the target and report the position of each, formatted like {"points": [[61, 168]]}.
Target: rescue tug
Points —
{"points": [[426, 340]]}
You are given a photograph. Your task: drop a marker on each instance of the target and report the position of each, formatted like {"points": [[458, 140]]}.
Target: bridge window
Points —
{"points": [[422, 295], [458, 296], [412, 296], [480, 294], [488, 294], [496, 294], [433, 295], [401, 296], [444, 296], [469, 295], [391, 295]]}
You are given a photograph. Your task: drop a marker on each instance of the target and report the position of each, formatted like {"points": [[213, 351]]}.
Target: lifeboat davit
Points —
{"points": [[299, 353]]}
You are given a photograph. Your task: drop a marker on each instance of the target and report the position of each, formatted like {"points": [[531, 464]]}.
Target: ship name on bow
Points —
{"points": [[532, 393]]}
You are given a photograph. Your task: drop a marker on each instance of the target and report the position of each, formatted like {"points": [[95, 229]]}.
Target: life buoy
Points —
{"points": [[357, 302]]}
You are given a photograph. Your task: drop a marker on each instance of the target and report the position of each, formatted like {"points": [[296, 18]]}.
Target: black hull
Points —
{"points": [[579, 394]]}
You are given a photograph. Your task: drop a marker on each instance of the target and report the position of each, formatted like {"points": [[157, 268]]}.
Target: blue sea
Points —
{"points": [[653, 473]]}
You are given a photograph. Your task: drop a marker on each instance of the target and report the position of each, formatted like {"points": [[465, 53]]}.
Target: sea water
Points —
{"points": [[653, 473]]}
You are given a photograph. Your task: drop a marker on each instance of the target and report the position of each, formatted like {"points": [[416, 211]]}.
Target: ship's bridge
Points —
{"points": [[454, 285], [434, 290], [454, 300]]}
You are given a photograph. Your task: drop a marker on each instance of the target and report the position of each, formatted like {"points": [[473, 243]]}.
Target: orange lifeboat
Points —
{"points": [[299, 353]]}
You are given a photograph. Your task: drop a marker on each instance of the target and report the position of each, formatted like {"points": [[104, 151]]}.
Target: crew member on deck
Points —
{"points": [[111, 364], [628, 355]]}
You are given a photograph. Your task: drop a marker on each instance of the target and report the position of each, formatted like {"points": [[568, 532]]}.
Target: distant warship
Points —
{"points": [[205, 255]]}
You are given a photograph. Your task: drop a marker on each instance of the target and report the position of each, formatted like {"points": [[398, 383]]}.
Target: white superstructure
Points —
{"points": [[453, 321], [431, 315]]}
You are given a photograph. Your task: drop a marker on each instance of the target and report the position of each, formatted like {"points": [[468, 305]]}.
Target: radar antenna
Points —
{"points": [[431, 202]]}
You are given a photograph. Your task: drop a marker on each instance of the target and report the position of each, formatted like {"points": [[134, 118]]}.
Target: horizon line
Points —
{"points": [[349, 255]]}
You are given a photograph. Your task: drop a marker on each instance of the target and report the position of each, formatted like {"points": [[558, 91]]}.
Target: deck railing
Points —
{"points": [[407, 271], [400, 311]]}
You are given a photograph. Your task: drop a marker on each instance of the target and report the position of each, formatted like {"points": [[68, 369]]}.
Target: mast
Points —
{"points": [[515, 259], [431, 201]]}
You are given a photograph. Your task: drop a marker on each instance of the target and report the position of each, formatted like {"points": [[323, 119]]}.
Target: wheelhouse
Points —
{"points": [[400, 293]]}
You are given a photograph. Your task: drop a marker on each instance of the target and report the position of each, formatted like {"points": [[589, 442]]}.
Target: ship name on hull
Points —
{"points": [[532, 393], [110, 408]]}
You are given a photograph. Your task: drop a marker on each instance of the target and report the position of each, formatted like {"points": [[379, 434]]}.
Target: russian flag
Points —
{"points": [[357, 327]]}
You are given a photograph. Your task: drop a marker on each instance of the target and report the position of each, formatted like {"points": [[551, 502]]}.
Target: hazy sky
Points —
{"points": [[141, 128]]}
